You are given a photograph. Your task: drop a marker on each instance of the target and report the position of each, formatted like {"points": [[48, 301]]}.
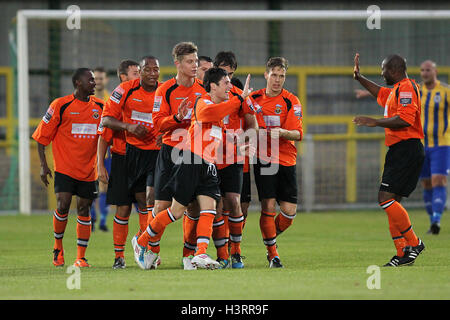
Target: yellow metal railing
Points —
{"points": [[351, 136]]}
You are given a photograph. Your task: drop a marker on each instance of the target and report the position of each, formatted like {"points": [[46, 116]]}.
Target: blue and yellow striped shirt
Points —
{"points": [[435, 115]]}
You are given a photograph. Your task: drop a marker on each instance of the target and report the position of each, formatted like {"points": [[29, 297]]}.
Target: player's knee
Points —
{"points": [[234, 204], [268, 205], [439, 180], [426, 183]]}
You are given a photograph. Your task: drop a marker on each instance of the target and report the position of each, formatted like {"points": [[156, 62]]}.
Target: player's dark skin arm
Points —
{"points": [[45, 170], [391, 123], [371, 86], [138, 130]]}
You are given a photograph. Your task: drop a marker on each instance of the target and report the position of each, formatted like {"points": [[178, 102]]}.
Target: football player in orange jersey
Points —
{"points": [[130, 110], [405, 157], [229, 221], [71, 125], [279, 112], [117, 179], [194, 175]]}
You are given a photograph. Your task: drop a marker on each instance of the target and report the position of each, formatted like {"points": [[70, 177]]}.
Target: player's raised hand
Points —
{"points": [[183, 109], [247, 90], [356, 67]]}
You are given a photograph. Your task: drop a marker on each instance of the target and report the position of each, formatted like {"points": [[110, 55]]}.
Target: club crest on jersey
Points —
{"points": [[437, 98], [95, 115], [278, 109]]}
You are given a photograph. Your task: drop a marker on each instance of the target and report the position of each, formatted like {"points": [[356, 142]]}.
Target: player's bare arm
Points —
{"points": [[102, 147], [45, 170], [277, 133], [371, 86], [138, 130], [393, 123]]}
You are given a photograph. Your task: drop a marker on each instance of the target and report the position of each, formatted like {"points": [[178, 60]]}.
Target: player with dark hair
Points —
{"points": [[128, 70], [405, 157], [204, 64], [117, 179], [229, 221], [279, 112], [129, 109], [195, 175], [70, 125]]}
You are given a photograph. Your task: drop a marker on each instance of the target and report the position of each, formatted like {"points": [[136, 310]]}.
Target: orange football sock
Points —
{"points": [[283, 221], [59, 226], [155, 230], [149, 214], [204, 230], [400, 218], [83, 235], [236, 225], [143, 216], [120, 233], [189, 235], [219, 235], [269, 232]]}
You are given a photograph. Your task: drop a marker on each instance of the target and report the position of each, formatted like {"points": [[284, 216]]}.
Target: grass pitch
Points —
{"points": [[326, 256]]}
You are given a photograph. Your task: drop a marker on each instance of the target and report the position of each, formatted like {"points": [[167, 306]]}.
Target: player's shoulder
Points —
{"points": [[166, 85], [61, 101], [258, 94], [444, 85], [235, 90], [198, 86], [98, 101], [289, 96]]}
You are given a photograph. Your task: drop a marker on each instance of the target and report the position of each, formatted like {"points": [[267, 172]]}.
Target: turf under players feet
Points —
{"points": [[205, 262], [187, 263], [275, 263], [411, 254], [58, 258], [81, 263], [236, 261], [119, 263]]}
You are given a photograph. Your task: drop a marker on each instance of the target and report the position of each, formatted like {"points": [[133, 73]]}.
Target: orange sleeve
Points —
{"points": [[207, 111], [47, 128], [408, 104], [107, 134], [383, 95], [163, 118], [114, 105], [294, 118]]}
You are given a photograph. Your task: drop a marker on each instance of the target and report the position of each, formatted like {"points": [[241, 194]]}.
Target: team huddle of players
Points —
{"points": [[180, 149]]}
